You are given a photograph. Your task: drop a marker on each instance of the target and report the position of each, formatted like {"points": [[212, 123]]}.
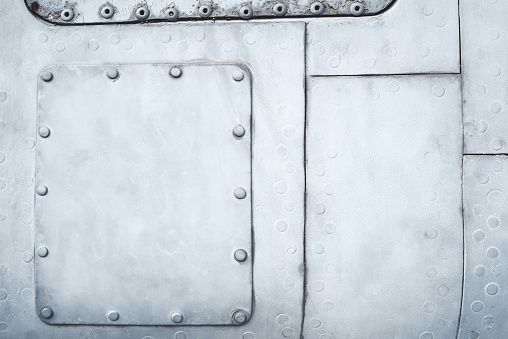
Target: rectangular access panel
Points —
{"points": [[143, 205]]}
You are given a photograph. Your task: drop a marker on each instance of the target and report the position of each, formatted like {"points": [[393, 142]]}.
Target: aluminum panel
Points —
{"points": [[484, 37], [484, 309], [413, 36], [384, 221], [144, 193]]}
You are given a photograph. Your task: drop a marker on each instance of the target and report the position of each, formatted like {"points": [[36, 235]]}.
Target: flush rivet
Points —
{"points": [[67, 14], [177, 317], [112, 73], [240, 255], [238, 75], [113, 315], [46, 312], [107, 11], [43, 252], [42, 190], [240, 193], [238, 131], [44, 132], [240, 317], [175, 72], [47, 76]]}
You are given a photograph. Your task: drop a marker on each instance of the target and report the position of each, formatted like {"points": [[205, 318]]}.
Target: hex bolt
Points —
{"points": [[44, 131], [238, 131], [177, 317], [238, 75], [142, 13], [42, 190], [175, 72], [317, 8], [357, 9], [43, 252], [280, 9], [240, 255], [113, 315], [205, 11], [113, 73], [67, 14], [107, 11], [246, 12], [47, 76], [46, 313], [240, 193], [240, 317], [172, 14]]}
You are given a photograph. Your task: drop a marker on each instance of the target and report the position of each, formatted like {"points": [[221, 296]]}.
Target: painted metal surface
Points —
{"points": [[125, 11], [384, 223]]}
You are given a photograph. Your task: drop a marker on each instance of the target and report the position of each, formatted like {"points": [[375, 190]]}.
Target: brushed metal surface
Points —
{"points": [[384, 222], [140, 216]]}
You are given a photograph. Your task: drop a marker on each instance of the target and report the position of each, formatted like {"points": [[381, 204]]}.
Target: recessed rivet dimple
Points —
{"points": [[67, 14], [47, 76], [238, 75], [107, 11], [238, 131], [46, 312], [42, 190], [113, 315], [43, 252], [44, 131], [175, 72], [240, 317], [177, 317], [112, 73], [240, 193], [240, 255], [172, 13], [246, 12]]}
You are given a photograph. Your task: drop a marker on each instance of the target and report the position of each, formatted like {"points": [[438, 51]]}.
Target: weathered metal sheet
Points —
{"points": [[129, 11], [484, 37], [414, 36], [484, 309], [274, 56], [384, 221], [143, 204]]}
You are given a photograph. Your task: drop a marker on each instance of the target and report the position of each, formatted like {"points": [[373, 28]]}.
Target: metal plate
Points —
{"points": [[101, 11], [145, 204], [384, 221]]}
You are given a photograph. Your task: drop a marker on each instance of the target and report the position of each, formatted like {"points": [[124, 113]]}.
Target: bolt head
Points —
{"points": [[42, 190], [238, 131], [113, 315], [240, 193], [43, 252], [44, 131], [47, 76], [238, 75], [240, 317], [46, 313], [177, 317], [240, 255], [175, 72], [113, 73]]}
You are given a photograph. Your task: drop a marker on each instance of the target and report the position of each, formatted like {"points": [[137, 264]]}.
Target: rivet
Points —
{"points": [[240, 255], [47, 76], [42, 190], [67, 14], [246, 12], [113, 315], [240, 317], [107, 11], [112, 73], [172, 13], [205, 11], [46, 312], [357, 9], [238, 75], [142, 13], [238, 131], [44, 131], [177, 317], [280, 9], [43, 252], [317, 8], [240, 193], [175, 72]]}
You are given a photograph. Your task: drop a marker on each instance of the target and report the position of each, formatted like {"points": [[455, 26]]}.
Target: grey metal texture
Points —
{"points": [[485, 66], [141, 214], [484, 310], [274, 55], [384, 222], [413, 36], [125, 11]]}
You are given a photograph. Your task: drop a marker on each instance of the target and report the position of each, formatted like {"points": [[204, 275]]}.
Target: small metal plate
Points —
{"points": [[142, 215]]}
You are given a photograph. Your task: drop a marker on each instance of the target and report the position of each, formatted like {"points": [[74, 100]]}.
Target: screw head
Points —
{"points": [[240, 255], [238, 75], [46, 313], [175, 72], [357, 9], [47, 76], [142, 13], [107, 11], [177, 317], [113, 73], [172, 14], [240, 193], [113, 315], [205, 11], [317, 8], [246, 12], [67, 14], [43, 252], [238, 131], [240, 317], [44, 131], [42, 190], [280, 9]]}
